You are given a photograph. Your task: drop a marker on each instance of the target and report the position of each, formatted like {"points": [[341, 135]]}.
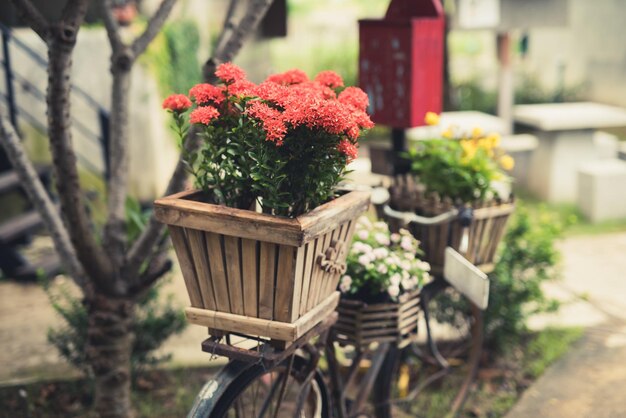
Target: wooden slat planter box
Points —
{"points": [[485, 232], [360, 324], [258, 274]]}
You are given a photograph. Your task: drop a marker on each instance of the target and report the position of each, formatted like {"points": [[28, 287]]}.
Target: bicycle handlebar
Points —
{"points": [[408, 217]]}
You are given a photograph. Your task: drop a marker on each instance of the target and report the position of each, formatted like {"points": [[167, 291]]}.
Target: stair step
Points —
{"points": [[19, 226], [10, 181], [46, 267]]}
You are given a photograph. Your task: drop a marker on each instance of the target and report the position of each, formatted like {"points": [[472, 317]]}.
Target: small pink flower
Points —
{"points": [[204, 115]]}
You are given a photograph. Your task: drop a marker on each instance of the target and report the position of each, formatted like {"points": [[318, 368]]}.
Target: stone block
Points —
{"points": [[602, 190]]}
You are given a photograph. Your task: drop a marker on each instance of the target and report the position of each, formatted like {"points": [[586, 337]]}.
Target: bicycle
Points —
{"points": [[268, 381]]}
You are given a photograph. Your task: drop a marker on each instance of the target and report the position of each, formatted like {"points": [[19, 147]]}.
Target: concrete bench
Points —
{"points": [[602, 190], [521, 147]]}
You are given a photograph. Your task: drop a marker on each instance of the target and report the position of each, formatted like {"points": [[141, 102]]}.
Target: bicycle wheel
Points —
{"points": [[407, 373], [243, 390]]}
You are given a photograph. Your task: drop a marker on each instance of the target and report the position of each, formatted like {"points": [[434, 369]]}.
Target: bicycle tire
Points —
{"points": [[220, 395], [391, 398]]}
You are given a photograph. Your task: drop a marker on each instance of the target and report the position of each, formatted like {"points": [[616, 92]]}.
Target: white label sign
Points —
{"points": [[479, 14], [466, 278]]}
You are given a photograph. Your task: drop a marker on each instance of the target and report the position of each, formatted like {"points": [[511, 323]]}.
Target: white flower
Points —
{"points": [[409, 256], [405, 275], [363, 220], [380, 252], [346, 282], [425, 277], [407, 283], [424, 266], [415, 280], [382, 269], [406, 243], [405, 264], [393, 290], [381, 238], [380, 225], [395, 279], [363, 234], [395, 237], [364, 260]]}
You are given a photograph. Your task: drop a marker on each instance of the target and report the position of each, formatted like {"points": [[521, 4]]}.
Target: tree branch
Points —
{"points": [[154, 27], [234, 36], [29, 14], [39, 197], [61, 45], [229, 23], [111, 25], [144, 246]]}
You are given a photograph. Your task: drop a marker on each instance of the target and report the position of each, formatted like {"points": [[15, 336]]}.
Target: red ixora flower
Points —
{"points": [[241, 88], [354, 96], [177, 103], [348, 149], [330, 79], [206, 93], [294, 76], [272, 120], [229, 73], [204, 115]]}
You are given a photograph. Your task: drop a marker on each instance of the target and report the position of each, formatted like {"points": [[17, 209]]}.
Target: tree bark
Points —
{"points": [[109, 344], [117, 187], [61, 45]]}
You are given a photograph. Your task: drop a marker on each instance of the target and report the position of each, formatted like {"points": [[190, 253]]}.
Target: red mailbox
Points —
{"points": [[401, 62]]}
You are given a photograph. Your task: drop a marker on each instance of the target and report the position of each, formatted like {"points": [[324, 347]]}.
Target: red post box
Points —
{"points": [[401, 62]]}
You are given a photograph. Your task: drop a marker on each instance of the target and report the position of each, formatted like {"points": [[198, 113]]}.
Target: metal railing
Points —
{"points": [[95, 137]]}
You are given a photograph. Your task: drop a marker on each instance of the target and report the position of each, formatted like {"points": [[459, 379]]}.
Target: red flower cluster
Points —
{"points": [[348, 149], [229, 73], [206, 93], [271, 119], [204, 115], [294, 76], [281, 104], [330, 79], [177, 103]]}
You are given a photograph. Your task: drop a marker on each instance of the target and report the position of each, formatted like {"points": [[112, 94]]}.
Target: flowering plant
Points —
{"points": [[460, 166], [284, 142], [382, 266]]}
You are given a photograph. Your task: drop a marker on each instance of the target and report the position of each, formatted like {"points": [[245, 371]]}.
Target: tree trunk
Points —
{"points": [[109, 344]]}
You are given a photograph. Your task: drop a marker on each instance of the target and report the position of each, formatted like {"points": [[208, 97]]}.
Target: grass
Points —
{"points": [[502, 380], [169, 393], [572, 217]]}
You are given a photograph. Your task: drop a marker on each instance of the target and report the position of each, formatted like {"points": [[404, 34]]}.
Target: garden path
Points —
{"points": [[589, 381]]}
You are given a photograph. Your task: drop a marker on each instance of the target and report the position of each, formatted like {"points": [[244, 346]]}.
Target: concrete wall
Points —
{"points": [[591, 50]]}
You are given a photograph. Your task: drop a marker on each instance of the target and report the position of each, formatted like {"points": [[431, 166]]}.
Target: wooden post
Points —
{"points": [[506, 88]]}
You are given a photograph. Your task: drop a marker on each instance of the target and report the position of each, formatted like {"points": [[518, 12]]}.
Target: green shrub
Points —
{"points": [[154, 322], [527, 259]]}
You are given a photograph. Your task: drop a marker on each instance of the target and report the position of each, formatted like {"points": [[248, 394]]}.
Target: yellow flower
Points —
{"points": [[431, 118], [494, 139], [477, 132], [448, 134], [469, 148], [507, 162]]}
